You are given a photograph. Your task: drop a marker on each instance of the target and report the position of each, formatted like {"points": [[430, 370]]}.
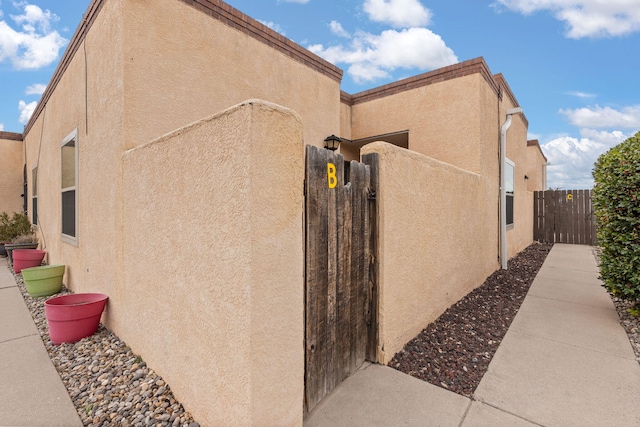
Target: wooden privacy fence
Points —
{"points": [[564, 216], [340, 306]]}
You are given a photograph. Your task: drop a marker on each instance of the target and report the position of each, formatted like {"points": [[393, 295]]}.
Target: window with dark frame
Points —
{"points": [[509, 187], [69, 182], [34, 196]]}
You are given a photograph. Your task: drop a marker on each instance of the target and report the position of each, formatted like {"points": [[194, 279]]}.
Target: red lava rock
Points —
{"points": [[454, 351]]}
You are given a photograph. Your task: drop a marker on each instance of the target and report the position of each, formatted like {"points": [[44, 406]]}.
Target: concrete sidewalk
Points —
{"points": [[31, 391], [565, 361]]}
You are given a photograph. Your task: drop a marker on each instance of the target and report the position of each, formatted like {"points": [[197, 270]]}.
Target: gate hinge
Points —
{"points": [[371, 194]]}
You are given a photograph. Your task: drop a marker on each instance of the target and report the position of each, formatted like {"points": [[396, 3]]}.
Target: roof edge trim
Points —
{"points": [[461, 69], [12, 136]]}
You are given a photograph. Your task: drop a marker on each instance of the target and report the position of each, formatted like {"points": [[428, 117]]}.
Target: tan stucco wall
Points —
{"points": [[11, 162], [182, 65], [436, 243], [536, 170], [443, 119], [213, 285], [88, 100]]}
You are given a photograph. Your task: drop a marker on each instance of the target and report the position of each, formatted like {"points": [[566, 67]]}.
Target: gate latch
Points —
{"points": [[371, 194]]}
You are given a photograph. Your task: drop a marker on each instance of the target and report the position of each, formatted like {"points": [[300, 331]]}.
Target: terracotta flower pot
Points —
{"points": [[10, 247], [74, 316], [44, 280], [25, 258]]}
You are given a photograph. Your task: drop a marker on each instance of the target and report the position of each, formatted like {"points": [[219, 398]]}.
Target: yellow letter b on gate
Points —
{"points": [[332, 179]]}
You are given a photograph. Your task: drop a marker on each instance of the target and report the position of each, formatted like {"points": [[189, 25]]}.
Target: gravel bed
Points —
{"points": [[108, 383], [454, 351], [631, 324]]}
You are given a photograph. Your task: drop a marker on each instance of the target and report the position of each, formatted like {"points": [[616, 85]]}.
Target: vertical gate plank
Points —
{"points": [[562, 211], [315, 272], [335, 222], [554, 216], [589, 219], [581, 217], [535, 217], [359, 270], [574, 217], [586, 210], [571, 214], [371, 160], [565, 216], [344, 326]]}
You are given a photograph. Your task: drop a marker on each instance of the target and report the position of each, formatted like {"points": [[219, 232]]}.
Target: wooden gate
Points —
{"points": [[564, 216], [340, 319]]}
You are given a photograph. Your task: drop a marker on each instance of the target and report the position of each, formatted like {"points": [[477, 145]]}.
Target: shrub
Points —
{"points": [[12, 227], [5, 228], [616, 200]]}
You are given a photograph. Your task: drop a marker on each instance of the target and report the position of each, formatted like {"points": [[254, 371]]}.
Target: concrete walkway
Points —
{"points": [[31, 391], [565, 361]]}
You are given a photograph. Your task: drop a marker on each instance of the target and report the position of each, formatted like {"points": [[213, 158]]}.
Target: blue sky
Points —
{"points": [[572, 64]]}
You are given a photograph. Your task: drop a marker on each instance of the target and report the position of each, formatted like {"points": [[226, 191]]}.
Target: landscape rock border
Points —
{"points": [[108, 383], [455, 350]]}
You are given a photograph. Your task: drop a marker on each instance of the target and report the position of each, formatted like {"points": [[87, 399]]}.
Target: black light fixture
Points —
{"points": [[332, 142]]}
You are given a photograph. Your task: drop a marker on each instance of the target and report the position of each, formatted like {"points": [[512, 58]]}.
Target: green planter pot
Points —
{"points": [[44, 280]]}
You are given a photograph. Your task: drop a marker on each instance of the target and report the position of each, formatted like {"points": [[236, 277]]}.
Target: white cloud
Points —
{"points": [[338, 30], [604, 117], [275, 27], [571, 159], [582, 95], [586, 18], [26, 110], [398, 13], [34, 18], [1, 127], [35, 89], [372, 57], [35, 45]]}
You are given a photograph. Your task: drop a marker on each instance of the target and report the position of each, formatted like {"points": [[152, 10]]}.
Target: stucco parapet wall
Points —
{"points": [[505, 88], [216, 9], [502, 83], [346, 98], [11, 136], [535, 143], [385, 148], [258, 102], [234, 18], [477, 65]]}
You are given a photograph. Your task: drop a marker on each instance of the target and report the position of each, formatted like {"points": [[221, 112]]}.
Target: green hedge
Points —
{"points": [[616, 200]]}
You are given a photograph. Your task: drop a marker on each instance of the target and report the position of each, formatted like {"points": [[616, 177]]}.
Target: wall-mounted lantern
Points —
{"points": [[332, 142]]}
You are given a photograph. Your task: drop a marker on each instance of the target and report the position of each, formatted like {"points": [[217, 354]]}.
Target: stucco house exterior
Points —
{"points": [[165, 162]]}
